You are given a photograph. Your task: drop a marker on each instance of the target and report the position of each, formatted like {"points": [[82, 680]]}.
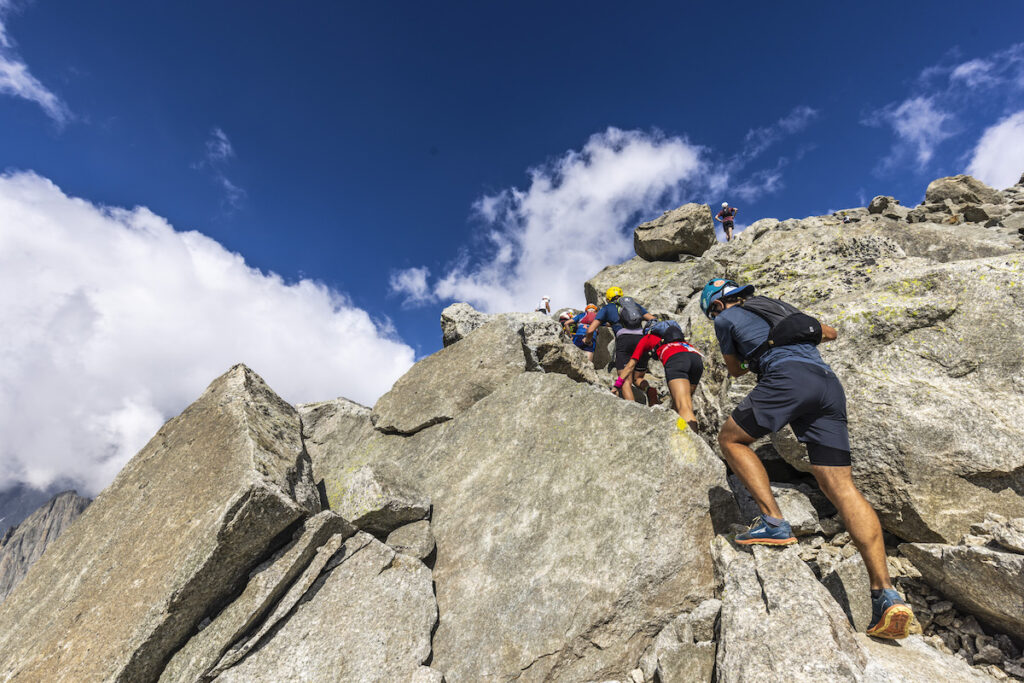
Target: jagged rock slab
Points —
{"points": [[368, 617], [27, 541], [443, 385], [983, 581], [555, 559], [686, 230], [332, 431], [375, 500], [849, 584], [684, 651], [773, 605], [196, 509], [779, 624], [267, 584], [1007, 533], [415, 540]]}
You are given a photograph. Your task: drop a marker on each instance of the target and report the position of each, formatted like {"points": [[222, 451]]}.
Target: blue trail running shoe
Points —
{"points": [[763, 533], [890, 616]]}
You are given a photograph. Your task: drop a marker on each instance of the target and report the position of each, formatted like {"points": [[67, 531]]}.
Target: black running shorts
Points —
{"points": [[807, 397], [625, 344], [684, 365]]}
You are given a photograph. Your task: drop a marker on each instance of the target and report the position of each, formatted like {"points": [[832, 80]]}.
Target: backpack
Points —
{"points": [[668, 330], [787, 325], [631, 315]]}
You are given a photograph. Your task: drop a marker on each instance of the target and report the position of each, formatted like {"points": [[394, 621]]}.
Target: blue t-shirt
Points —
{"points": [[610, 314], [739, 332]]}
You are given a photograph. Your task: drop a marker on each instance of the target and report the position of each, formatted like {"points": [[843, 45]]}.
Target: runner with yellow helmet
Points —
{"points": [[626, 318]]}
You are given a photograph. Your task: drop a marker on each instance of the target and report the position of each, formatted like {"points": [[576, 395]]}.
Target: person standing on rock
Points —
{"points": [[683, 364], [796, 387], [582, 322], [626, 318], [726, 217], [544, 306]]}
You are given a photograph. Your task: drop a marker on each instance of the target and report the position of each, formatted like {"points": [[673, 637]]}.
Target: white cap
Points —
{"points": [[725, 205], [546, 298]]}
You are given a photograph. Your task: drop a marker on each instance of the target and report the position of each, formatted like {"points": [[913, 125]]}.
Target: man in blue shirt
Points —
{"points": [[796, 387], [626, 339]]}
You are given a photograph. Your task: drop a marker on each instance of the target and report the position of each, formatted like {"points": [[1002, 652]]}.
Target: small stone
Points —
{"points": [[970, 625], [840, 540], [816, 541], [951, 640], [807, 555], [1014, 668], [970, 539], [990, 654], [941, 607], [849, 550], [936, 642], [1007, 646], [637, 675], [831, 525], [944, 619]]}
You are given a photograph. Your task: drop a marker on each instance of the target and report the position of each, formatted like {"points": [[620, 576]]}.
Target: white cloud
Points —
{"points": [[572, 220], [759, 139], [974, 73], [17, 81], [999, 156], [412, 282], [114, 322], [219, 151], [920, 126]]}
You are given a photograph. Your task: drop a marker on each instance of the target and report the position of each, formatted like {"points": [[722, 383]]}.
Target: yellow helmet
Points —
{"points": [[612, 294]]}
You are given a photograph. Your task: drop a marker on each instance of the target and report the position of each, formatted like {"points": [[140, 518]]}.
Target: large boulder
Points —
{"points": [[569, 526], [986, 582], [169, 539], [458, 320], [961, 189], [26, 542], [686, 230], [368, 617]]}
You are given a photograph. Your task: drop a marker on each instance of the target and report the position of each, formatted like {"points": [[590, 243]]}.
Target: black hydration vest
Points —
{"points": [[787, 326]]}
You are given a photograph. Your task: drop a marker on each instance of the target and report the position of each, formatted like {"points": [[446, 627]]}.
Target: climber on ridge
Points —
{"points": [[683, 363], [726, 216], [626, 318], [544, 306], [582, 322], [796, 387]]}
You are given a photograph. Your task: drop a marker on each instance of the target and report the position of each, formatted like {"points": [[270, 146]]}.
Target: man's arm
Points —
{"points": [[624, 372], [828, 333], [648, 316], [732, 364], [594, 324]]}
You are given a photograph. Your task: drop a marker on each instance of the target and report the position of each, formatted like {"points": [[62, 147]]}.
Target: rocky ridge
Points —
{"points": [[500, 516]]}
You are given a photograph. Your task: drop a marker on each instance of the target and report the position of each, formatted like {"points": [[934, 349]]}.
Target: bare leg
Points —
{"points": [[681, 398], [626, 391], [747, 466], [859, 517]]}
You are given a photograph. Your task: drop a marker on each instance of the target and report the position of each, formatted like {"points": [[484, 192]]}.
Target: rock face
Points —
{"points": [[196, 508], [922, 310], [587, 562], [27, 541], [689, 229], [984, 581], [368, 617]]}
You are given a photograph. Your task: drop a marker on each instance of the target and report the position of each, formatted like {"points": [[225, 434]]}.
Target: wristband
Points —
{"points": [[619, 381]]}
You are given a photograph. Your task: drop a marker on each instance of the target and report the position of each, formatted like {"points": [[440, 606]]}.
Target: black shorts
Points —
{"points": [[684, 365], [727, 226], [806, 396], [625, 345]]}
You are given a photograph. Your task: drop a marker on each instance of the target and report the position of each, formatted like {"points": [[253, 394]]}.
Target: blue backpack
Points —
{"points": [[668, 330]]}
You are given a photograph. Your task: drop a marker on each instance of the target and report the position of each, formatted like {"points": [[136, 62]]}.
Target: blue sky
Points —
{"points": [[384, 158]]}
